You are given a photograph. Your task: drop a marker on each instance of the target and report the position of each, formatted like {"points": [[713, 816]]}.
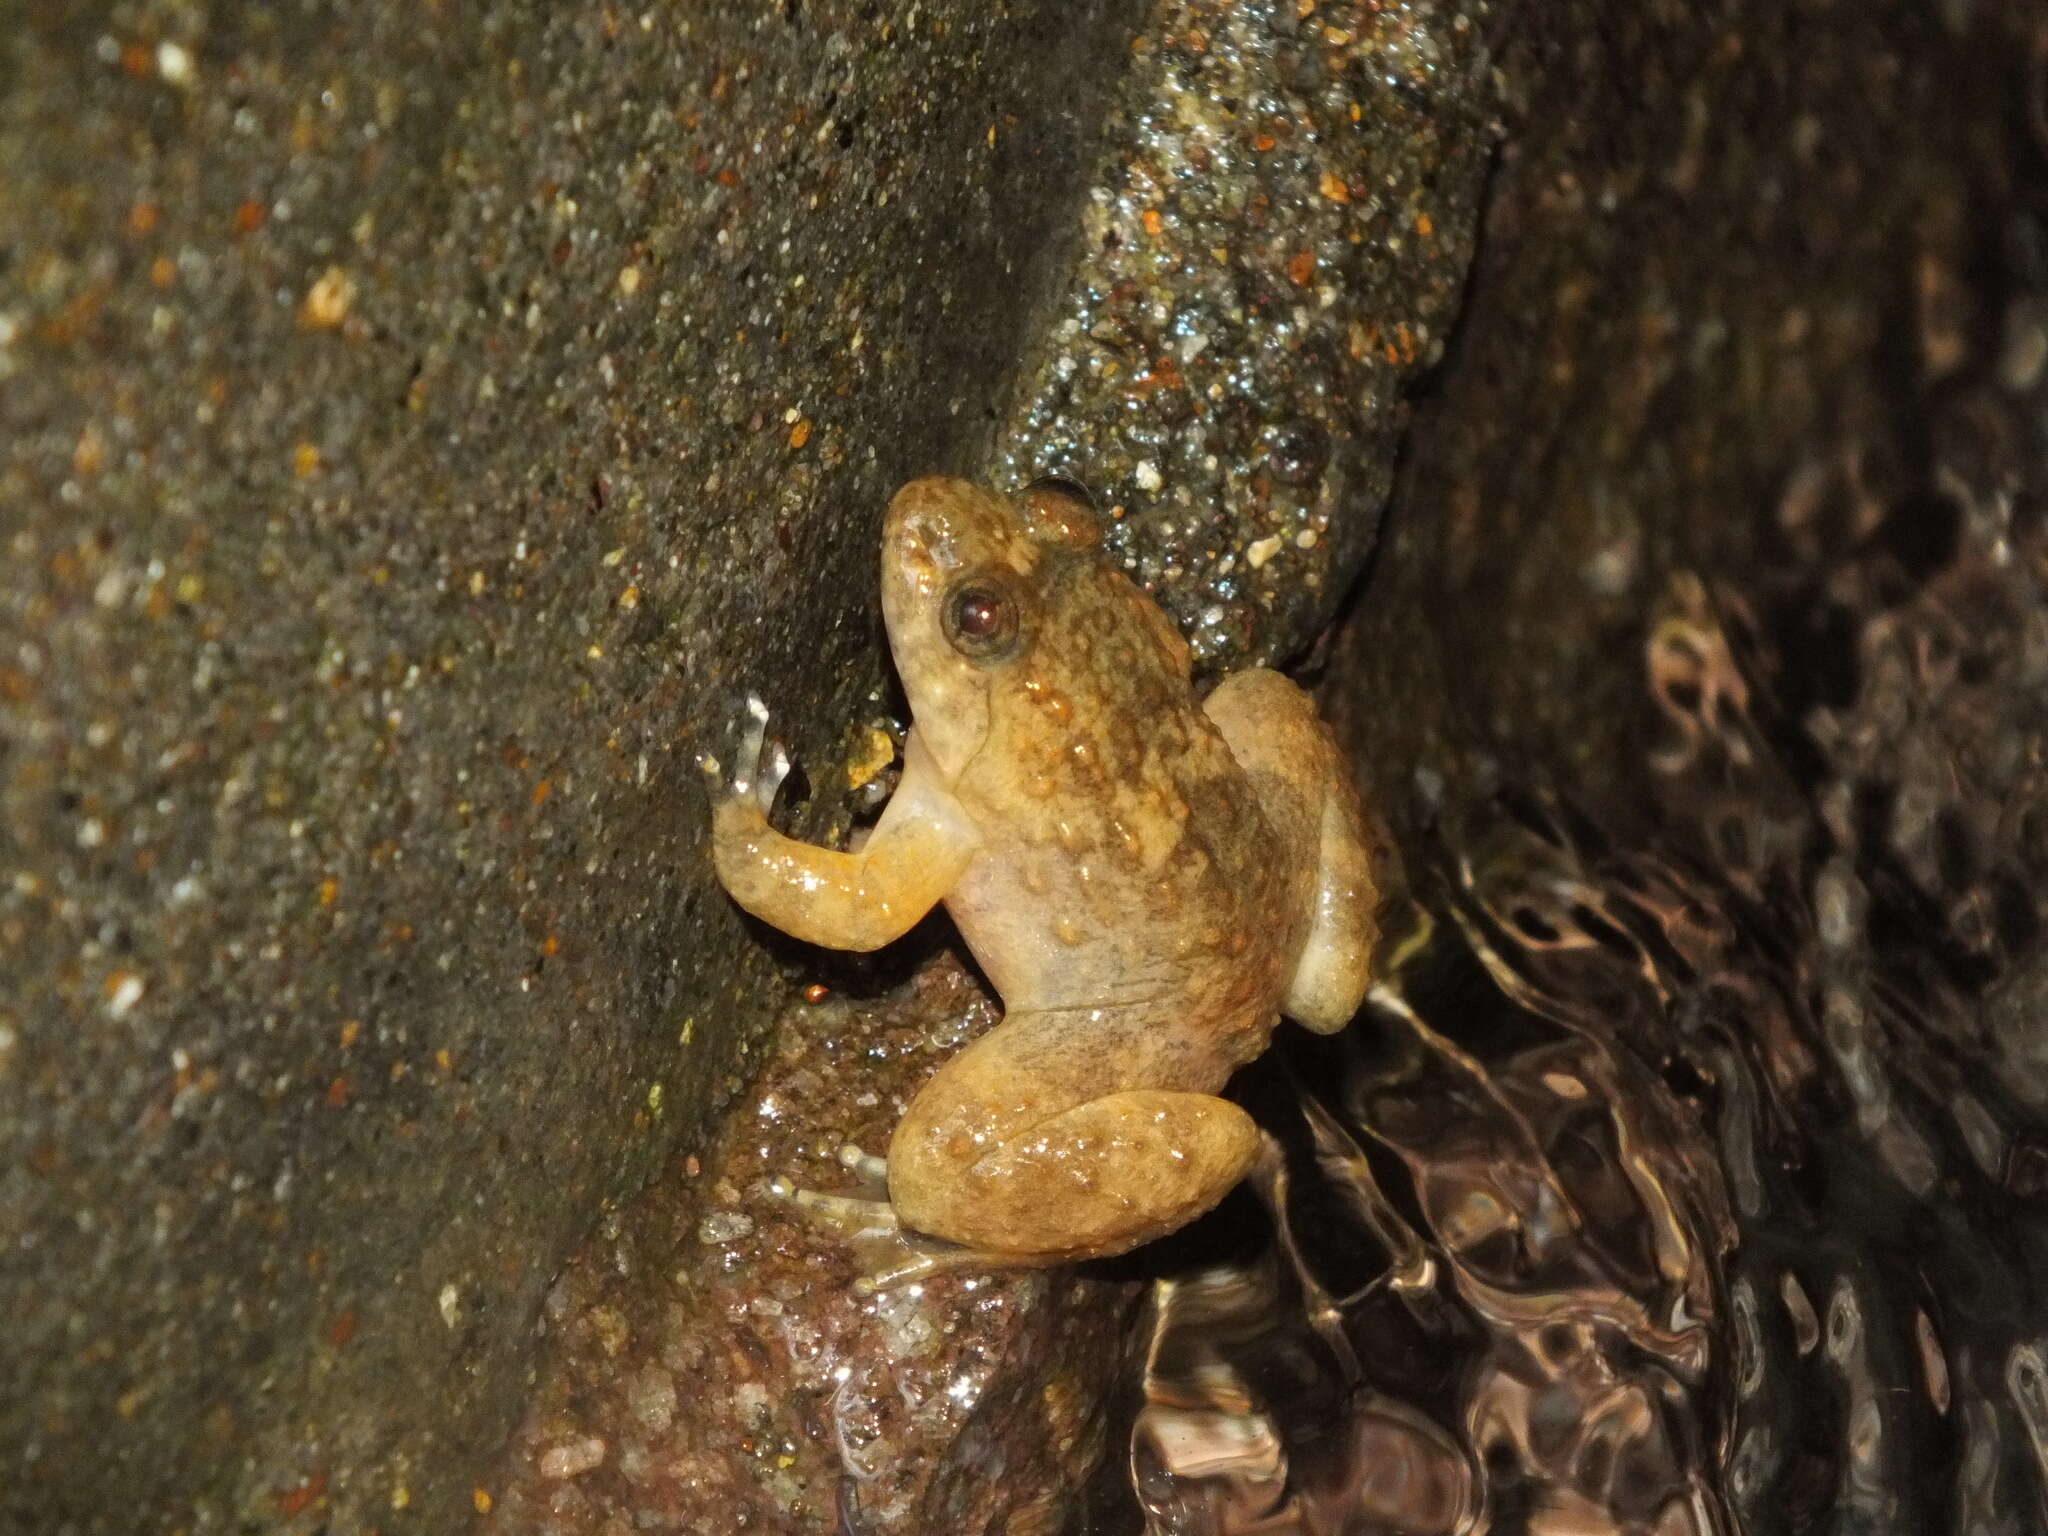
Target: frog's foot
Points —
{"points": [[885, 1252], [757, 766]]}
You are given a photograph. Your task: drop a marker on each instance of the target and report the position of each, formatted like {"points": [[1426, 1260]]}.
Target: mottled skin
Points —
{"points": [[1148, 881]]}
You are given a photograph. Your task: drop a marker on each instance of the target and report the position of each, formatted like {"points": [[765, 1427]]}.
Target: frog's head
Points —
{"points": [[965, 596]]}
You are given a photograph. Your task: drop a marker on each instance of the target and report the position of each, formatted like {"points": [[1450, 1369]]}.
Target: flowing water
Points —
{"points": [[1689, 1170]]}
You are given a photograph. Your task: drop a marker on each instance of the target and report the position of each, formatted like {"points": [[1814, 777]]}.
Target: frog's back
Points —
{"points": [[1126, 858]]}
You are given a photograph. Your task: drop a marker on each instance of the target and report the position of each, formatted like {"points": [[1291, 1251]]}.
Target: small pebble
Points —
{"points": [[573, 1459], [724, 1227]]}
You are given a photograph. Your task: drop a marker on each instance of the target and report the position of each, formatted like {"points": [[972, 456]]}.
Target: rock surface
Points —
{"points": [[421, 422]]}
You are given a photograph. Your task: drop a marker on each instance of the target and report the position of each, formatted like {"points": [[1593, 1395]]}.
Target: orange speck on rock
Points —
{"points": [[444, 1059], [1263, 142], [343, 1328], [481, 1498], [1301, 267], [800, 433], [162, 272], [550, 946], [1334, 188], [135, 61], [330, 888], [293, 1501], [351, 1031], [541, 791], [817, 992], [305, 461], [1424, 225], [249, 217], [142, 218], [89, 452], [338, 1093], [1151, 220], [76, 317]]}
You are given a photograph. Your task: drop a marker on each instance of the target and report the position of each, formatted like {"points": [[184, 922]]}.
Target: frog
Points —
{"points": [[1148, 880]]}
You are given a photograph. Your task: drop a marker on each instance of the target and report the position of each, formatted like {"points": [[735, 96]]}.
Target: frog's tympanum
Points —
{"points": [[1148, 881]]}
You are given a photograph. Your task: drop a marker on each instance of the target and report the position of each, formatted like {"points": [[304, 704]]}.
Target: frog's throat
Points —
{"points": [[950, 728]]}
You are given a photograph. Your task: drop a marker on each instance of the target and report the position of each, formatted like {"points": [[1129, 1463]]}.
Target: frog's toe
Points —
{"points": [[752, 729], [773, 769], [883, 1252], [865, 1166], [756, 767], [847, 1214]]}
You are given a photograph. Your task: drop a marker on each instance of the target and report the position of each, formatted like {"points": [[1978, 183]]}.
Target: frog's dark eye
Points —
{"points": [[981, 620]]}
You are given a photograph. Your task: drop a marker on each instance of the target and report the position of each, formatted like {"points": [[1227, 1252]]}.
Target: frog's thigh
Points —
{"points": [[1094, 1180], [1063, 1162]]}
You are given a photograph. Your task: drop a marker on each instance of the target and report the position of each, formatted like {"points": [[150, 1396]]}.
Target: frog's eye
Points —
{"points": [[981, 620]]}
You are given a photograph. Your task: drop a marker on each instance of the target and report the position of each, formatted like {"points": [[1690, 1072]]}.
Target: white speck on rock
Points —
{"points": [[724, 1227], [652, 1397], [573, 1459]]}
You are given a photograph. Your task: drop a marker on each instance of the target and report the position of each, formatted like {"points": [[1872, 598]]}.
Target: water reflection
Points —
{"points": [[1684, 1176]]}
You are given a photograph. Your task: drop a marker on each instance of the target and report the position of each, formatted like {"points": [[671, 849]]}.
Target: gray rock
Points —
{"points": [[420, 423]]}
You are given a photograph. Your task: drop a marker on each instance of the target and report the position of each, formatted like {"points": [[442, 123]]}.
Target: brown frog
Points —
{"points": [[1148, 881]]}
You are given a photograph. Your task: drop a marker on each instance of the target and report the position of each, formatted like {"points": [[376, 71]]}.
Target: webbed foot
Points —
{"points": [[886, 1253]]}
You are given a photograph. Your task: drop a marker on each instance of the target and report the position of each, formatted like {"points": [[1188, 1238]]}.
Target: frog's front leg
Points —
{"points": [[840, 900], [1051, 1139]]}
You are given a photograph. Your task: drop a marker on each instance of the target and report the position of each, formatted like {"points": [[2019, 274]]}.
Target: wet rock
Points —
{"points": [[1276, 232], [761, 1388], [419, 423]]}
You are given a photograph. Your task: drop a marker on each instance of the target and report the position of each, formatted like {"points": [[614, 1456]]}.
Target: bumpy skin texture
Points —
{"points": [[1148, 881]]}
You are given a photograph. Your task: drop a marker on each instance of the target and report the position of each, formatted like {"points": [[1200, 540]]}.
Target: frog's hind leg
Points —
{"points": [[1095, 1180], [1309, 795], [884, 1253], [1064, 1162]]}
